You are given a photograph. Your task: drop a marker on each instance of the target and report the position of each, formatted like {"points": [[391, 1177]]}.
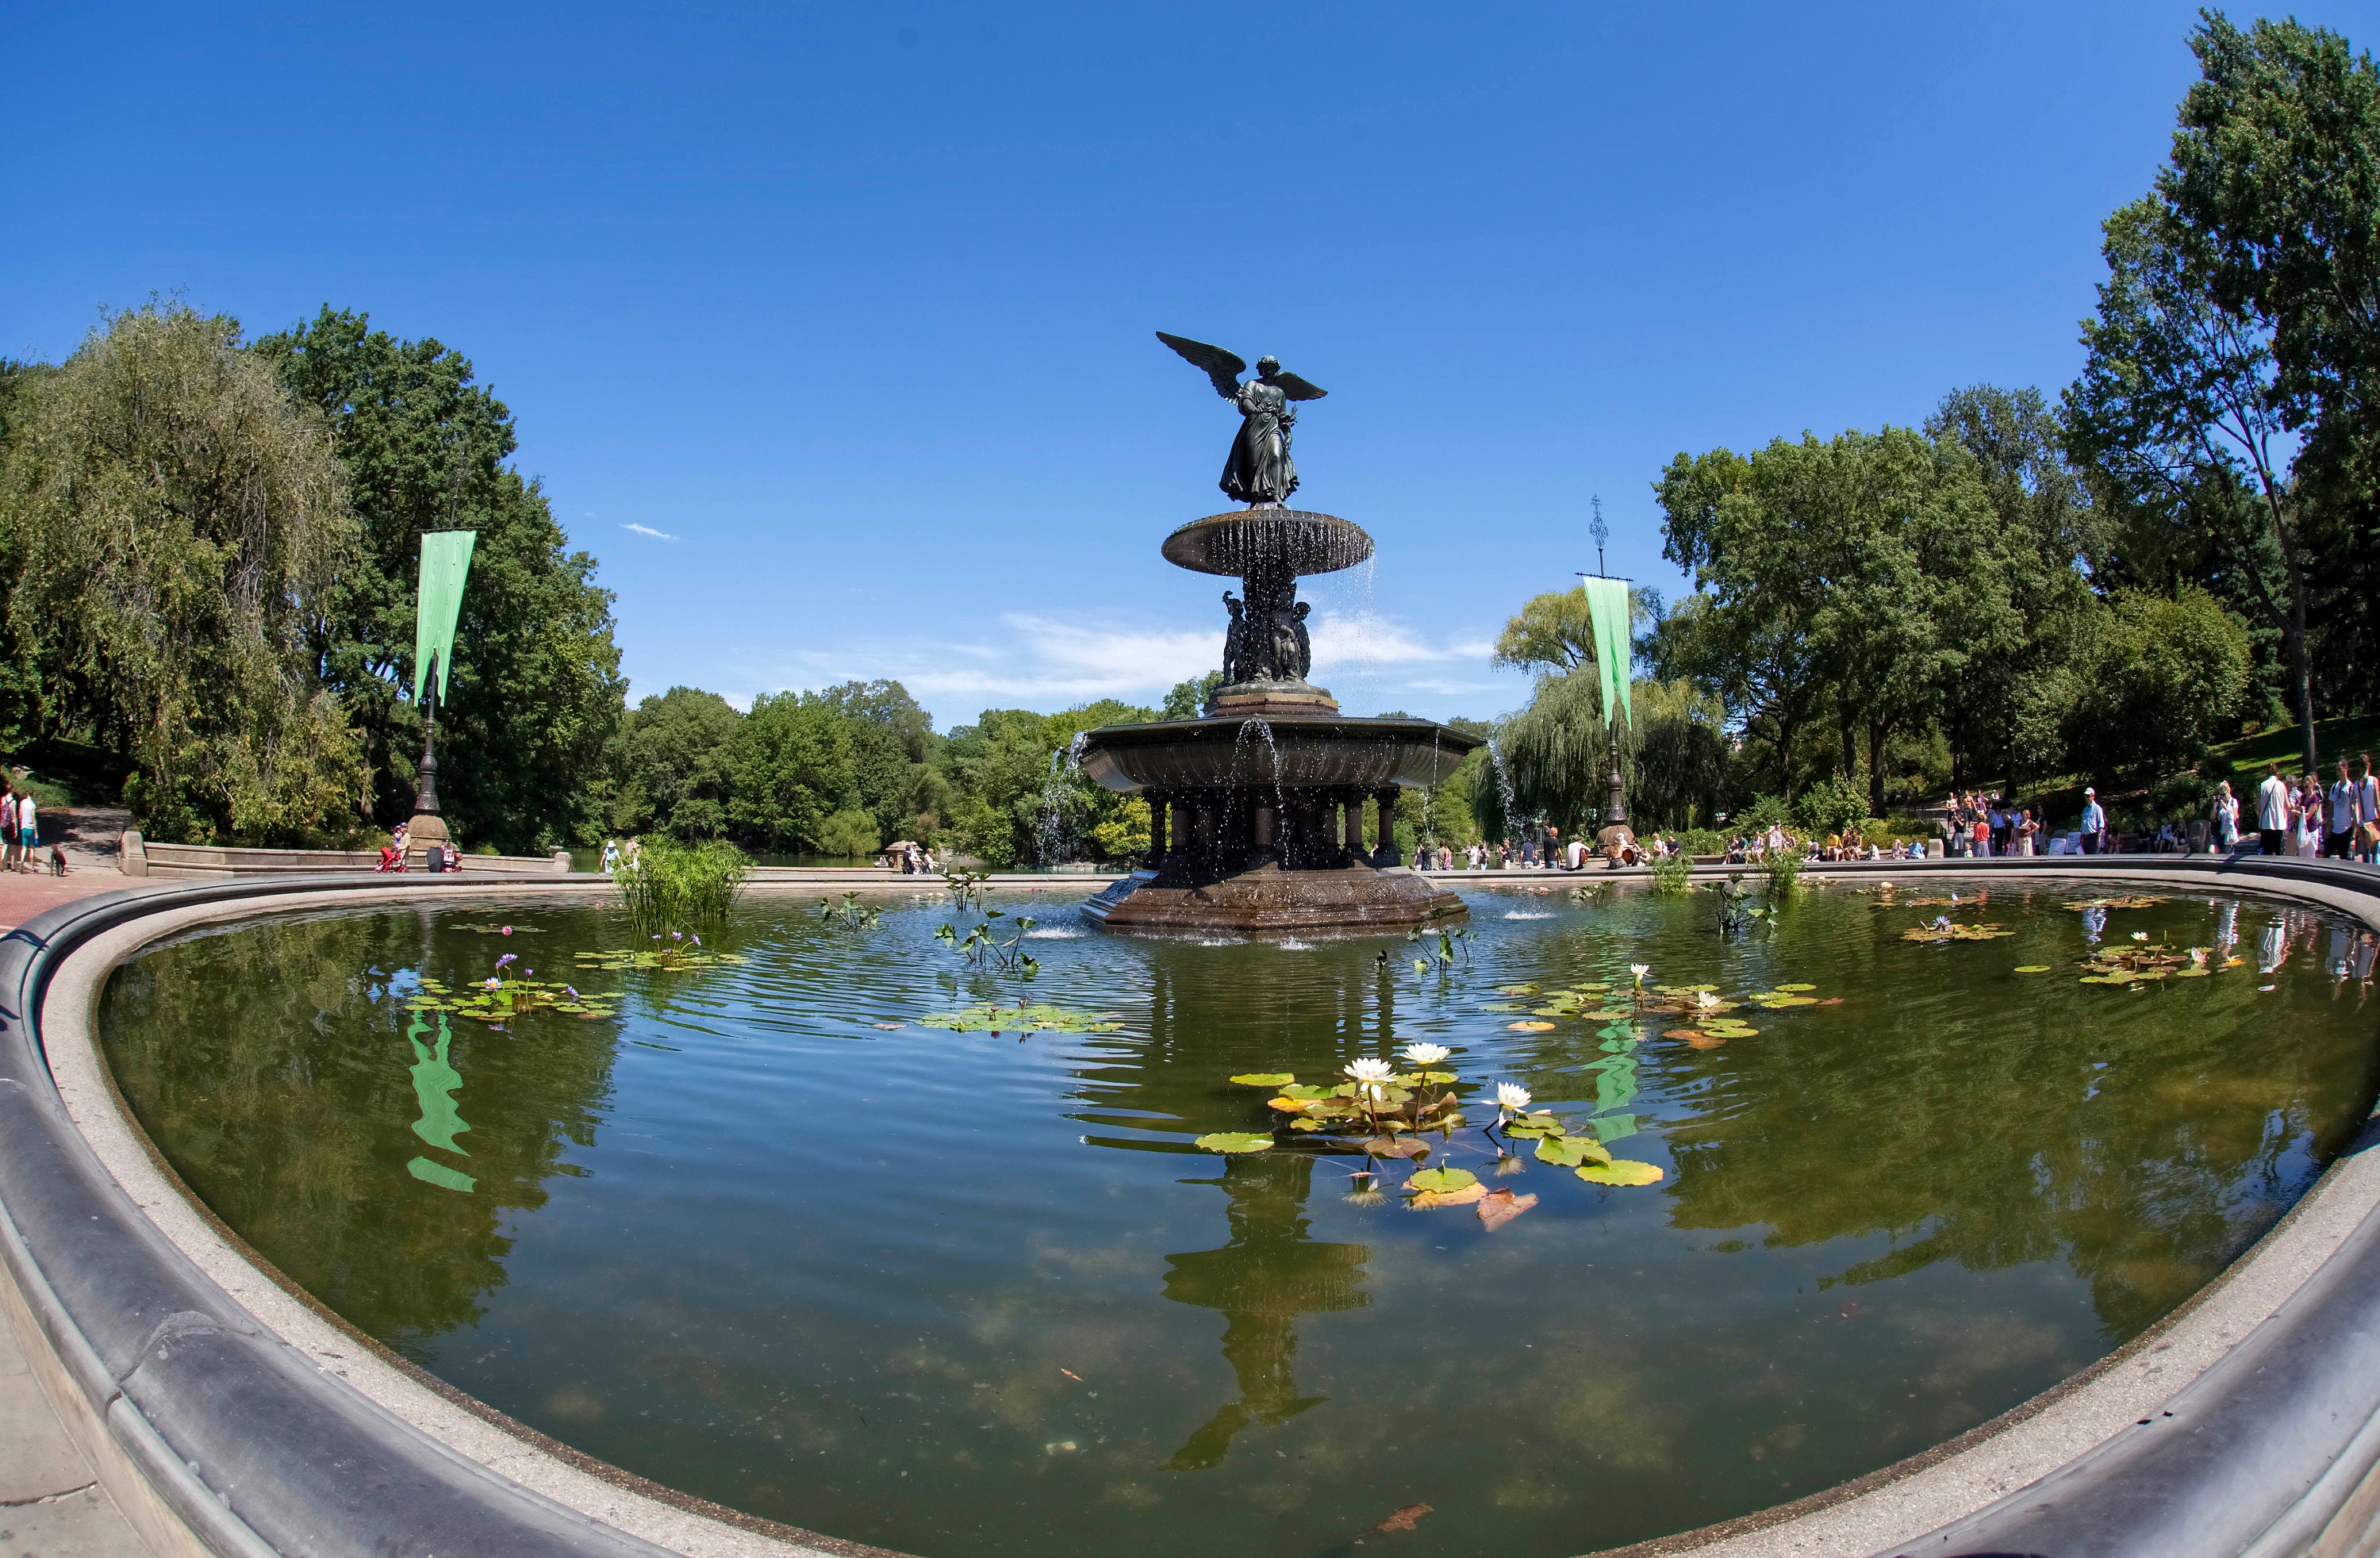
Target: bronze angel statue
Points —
{"points": [[1260, 472]]}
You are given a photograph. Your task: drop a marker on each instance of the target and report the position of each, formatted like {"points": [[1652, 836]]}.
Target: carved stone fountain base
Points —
{"points": [[1267, 898]]}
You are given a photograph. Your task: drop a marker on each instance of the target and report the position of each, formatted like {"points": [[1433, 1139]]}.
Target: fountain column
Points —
{"points": [[1158, 807], [1350, 824], [1385, 853]]}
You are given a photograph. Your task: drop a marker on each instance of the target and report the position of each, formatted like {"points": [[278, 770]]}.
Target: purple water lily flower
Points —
{"points": [[574, 993], [505, 931], [508, 957], [494, 983], [677, 936], [697, 941]]}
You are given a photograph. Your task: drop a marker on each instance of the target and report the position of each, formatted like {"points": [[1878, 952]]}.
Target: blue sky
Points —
{"points": [[829, 330]]}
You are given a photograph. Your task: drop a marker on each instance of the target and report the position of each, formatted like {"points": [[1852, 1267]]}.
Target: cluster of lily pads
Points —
{"points": [[1701, 1004], [677, 953], [1019, 1019], [2132, 966], [490, 927], [497, 999], [1945, 928], [1385, 1113]]}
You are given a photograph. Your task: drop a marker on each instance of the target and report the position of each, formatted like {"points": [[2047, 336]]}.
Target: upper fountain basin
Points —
{"points": [[1249, 541], [1219, 754]]}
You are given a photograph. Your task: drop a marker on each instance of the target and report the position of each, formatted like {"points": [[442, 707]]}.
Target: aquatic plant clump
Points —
{"points": [[1022, 1018], [676, 952], [499, 999], [670, 886], [2131, 966], [1384, 1113]]}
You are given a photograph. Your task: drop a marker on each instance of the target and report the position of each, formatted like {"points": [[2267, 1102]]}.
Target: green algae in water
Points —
{"points": [[735, 1238]]}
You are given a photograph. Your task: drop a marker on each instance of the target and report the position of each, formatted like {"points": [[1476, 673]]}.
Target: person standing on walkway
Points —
{"points": [[2223, 821], [2339, 839], [2272, 810], [2367, 810], [2095, 821], [29, 833], [7, 828]]}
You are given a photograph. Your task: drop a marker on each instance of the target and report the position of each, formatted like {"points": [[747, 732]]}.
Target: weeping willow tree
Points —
{"points": [[1673, 758]]}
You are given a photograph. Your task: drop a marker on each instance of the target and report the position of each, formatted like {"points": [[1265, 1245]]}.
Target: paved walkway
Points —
{"points": [[51, 1505]]}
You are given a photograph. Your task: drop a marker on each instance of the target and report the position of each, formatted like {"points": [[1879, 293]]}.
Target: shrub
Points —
{"points": [[1832, 806], [672, 886], [1783, 869]]}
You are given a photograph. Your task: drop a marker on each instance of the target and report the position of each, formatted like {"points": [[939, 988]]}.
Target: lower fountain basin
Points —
{"points": [[1227, 753]]}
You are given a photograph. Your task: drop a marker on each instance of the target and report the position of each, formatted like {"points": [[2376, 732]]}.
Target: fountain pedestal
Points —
{"points": [[1257, 811]]}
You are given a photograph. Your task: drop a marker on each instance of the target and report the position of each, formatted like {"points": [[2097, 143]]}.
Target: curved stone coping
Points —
{"points": [[2246, 1423], [264, 1426]]}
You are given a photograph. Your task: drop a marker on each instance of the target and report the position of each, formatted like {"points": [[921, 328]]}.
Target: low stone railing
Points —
{"points": [[141, 857]]}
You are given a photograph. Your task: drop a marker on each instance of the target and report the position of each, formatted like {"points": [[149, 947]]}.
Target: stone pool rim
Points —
{"points": [[200, 1384]]}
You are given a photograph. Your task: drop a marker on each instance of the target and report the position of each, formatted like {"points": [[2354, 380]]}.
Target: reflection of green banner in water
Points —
{"points": [[445, 562], [1607, 606], [434, 1084]]}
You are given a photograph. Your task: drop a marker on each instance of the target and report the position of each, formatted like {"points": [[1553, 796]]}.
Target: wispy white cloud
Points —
{"points": [[1031, 660], [645, 531]]}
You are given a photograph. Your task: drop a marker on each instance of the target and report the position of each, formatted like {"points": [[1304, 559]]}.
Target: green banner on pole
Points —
{"points": [[445, 562], [1607, 606]]}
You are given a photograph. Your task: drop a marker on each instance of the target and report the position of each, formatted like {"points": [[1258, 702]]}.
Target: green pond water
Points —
{"points": [[963, 1293]]}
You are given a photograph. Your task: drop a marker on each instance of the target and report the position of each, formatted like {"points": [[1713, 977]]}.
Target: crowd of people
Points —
{"points": [[2302, 816]]}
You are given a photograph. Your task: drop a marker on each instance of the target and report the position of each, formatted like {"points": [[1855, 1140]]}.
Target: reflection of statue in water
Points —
{"points": [[1263, 1280], [1260, 471], [434, 1083]]}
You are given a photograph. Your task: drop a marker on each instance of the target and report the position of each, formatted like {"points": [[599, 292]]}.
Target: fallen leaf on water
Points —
{"points": [[1530, 1027], [1832, 1001], [1072, 1375], [1463, 1197], [1405, 1518], [1686, 1033], [890, 1027], [1500, 1207], [1704, 1041]]}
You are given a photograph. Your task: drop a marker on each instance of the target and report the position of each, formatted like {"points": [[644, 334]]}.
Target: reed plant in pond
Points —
{"points": [[669, 887]]}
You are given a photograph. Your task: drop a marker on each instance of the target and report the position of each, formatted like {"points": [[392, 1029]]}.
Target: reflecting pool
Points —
{"points": [[756, 1232]]}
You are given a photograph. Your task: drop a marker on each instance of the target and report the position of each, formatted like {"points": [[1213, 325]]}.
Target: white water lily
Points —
{"points": [[1640, 971], [1426, 1055], [1512, 1095], [1707, 999], [2140, 935], [1372, 1075]]}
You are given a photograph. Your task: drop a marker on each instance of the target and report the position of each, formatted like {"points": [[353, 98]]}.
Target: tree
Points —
{"points": [[2177, 417], [1019, 799], [535, 693], [2163, 676], [892, 748], [792, 764], [1187, 700], [674, 758], [179, 527]]}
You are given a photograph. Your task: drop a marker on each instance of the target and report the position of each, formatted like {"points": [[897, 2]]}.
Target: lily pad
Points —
{"points": [[1289, 1105], [1530, 1027], [1797, 989], [1264, 1078], [1504, 1006], [1464, 1196], [1232, 1141], [2032, 967], [1570, 1152], [1516, 990], [1620, 1171], [1441, 1180], [1395, 1147]]}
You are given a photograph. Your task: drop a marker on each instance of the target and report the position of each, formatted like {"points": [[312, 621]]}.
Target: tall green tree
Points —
{"points": [[178, 529], [536, 691], [793, 769], [675, 762]]}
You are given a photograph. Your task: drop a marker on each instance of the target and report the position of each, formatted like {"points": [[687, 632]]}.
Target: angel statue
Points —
{"points": [[1260, 472]]}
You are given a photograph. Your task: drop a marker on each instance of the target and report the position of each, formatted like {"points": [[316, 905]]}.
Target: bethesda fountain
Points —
{"points": [[1256, 808]]}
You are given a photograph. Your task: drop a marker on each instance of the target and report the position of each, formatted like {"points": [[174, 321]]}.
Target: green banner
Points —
{"points": [[1607, 604], [445, 562]]}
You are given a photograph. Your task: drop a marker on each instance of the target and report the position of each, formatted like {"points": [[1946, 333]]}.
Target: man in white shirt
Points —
{"points": [[2272, 810], [2367, 803], [2095, 821]]}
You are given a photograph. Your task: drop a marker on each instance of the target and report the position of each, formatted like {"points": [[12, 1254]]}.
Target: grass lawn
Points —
{"points": [[2334, 739]]}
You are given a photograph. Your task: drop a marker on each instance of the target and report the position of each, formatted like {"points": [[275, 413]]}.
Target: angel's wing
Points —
{"points": [[1221, 367], [1297, 388]]}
